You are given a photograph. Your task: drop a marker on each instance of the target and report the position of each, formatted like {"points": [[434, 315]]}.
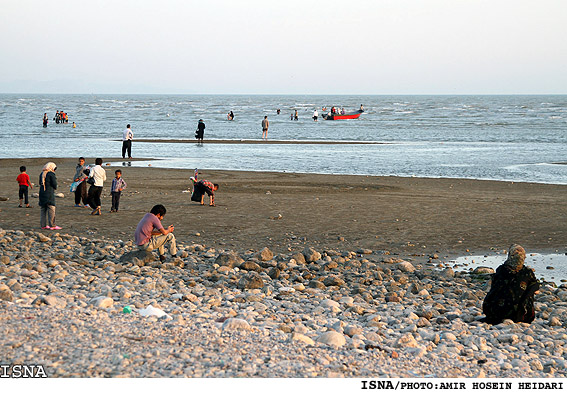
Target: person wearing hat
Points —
{"points": [[200, 131], [512, 291]]}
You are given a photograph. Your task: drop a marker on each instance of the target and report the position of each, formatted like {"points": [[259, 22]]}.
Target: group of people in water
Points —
{"points": [[60, 117]]}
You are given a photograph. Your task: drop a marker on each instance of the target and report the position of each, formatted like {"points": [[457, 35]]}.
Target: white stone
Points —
{"points": [[406, 340], [332, 338], [152, 311], [302, 338], [330, 304], [405, 266], [236, 324]]}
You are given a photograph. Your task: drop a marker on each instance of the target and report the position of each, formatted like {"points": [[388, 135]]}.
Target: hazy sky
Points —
{"points": [[284, 47]]}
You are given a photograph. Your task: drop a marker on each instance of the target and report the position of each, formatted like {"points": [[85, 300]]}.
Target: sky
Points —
{"points": [[284, 47]]}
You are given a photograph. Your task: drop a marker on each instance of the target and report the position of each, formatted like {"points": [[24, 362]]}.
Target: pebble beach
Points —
{"points": [[225, 313]]}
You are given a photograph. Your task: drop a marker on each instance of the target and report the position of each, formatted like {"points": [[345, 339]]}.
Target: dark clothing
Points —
{"points": [[94, 196], [511, 296], [202, 187], [200, 130], [23, 192], [115, 200], [81, 193], [47, 191], [127, 146]]}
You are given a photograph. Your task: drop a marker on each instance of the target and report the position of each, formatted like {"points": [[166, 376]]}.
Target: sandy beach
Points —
{"points": [[290, 275], [399, 215]]}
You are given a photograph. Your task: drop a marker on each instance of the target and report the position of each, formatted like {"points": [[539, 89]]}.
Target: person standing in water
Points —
{"points": [[315, 115], [127, 137], [45, 120], [265, 125], [200, 133]]}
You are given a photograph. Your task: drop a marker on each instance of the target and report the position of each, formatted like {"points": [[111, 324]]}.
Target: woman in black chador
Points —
{"points": [[511, 294]]}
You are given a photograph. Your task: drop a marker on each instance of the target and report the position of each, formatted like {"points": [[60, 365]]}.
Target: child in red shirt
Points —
{"points": [[24, 181]]}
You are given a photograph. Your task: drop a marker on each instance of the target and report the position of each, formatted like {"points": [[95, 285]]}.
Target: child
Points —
{"points": [[24, 181], [118, 184]]}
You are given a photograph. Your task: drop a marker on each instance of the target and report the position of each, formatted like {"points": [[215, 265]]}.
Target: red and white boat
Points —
{"points": [[337, 116]]}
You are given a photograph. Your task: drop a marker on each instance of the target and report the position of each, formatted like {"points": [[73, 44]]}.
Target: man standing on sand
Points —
{"points": [[265, 125], [127, 137], [151, 235]]}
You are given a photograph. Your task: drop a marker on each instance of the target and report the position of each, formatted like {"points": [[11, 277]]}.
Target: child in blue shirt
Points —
{"points": [[118, 184]]}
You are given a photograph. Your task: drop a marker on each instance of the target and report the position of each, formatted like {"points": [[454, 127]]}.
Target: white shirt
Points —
{"points": [[127, 135], [98, 174], [315, 113]]}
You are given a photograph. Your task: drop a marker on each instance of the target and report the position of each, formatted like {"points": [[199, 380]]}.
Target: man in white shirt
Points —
{"points": [[98, 176], [127, 137], [315, 115]]}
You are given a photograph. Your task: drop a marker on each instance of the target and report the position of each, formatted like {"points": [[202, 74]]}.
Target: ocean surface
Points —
{"points": [[549, 267], [511, 138]]}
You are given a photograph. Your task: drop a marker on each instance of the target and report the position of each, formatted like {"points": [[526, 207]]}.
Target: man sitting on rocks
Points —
{"points": [[511, 294], [151, 235]]}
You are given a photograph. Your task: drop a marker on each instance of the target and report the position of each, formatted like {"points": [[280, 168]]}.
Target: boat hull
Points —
{"points": [[352, 115]]}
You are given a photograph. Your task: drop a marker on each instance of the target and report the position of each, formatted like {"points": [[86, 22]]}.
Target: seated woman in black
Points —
{"points": [[511, 294]]}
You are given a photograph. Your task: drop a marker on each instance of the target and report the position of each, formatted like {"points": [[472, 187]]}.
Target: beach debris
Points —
{"points": [[59, 195], [152, 311], [6, 198]]}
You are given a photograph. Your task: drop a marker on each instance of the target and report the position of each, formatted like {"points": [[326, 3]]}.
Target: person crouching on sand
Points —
{"points": [[200, 188], [512, 291], [151, 235]]}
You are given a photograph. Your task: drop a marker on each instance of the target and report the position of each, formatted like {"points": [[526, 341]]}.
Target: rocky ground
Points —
{"points": [[245, 313]]}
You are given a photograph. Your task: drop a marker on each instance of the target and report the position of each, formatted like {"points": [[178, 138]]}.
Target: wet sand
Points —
{"points": [[405, 216]]}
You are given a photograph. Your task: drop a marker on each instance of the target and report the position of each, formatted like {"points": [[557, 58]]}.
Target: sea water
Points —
{"points": [[549, 267], [511, 138]]}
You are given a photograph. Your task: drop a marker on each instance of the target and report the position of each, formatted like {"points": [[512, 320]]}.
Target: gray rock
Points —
{"points": [[405, 266], [299, 258], [302, 338], [311, 255], [332, 338], [250, 266], [274, 273], [51, 300], [351, 330], [6, 294], [483, 271], [251, 280], [333, 280], [102, 302], [265, 255], [229, 259], [234, 324], [142, 255]]}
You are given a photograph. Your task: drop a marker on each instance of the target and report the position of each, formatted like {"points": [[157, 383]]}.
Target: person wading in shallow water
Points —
{"points": [[512, 291]]}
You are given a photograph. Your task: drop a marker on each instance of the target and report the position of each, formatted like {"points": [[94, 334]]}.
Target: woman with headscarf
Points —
{"points": [[511, 294], [47, 187]]}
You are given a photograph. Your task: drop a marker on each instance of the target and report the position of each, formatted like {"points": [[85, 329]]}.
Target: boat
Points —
{"points": [[351, 115]]}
